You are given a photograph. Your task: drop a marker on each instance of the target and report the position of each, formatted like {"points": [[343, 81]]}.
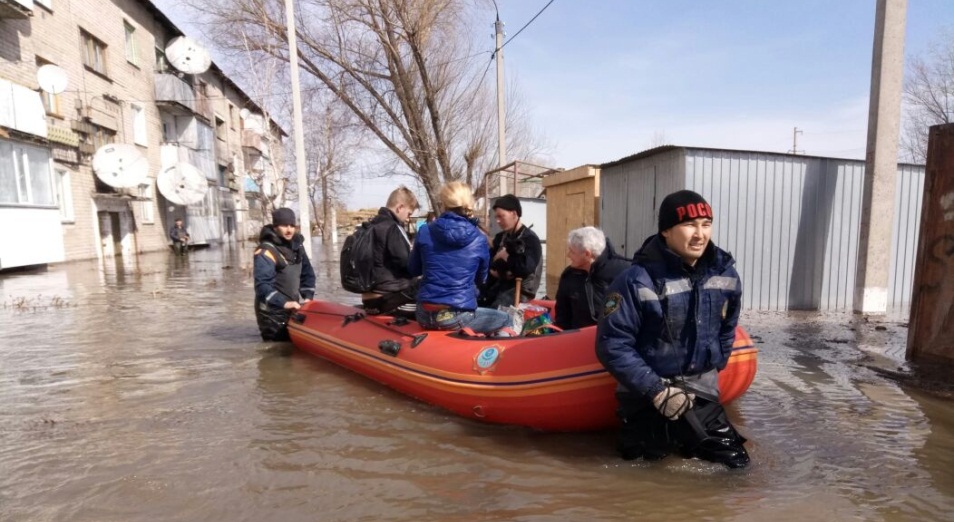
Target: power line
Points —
{"points": [[526, 25]]}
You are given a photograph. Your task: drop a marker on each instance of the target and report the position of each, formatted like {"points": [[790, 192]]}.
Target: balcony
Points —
{"points": [[222, 155], [22, 109], [20, 9], [170, 154], [203, 106], [174, 94], [252, 139]]}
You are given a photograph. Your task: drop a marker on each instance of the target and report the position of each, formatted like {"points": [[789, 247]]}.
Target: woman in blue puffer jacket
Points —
{"points": [[452, 255]]}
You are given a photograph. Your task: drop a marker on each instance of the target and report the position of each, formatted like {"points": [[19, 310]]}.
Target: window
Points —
{"points": [[64, 195], [220, 131], [25, 176], [100, 136], [148, 207], [223, 176], [233, 115], [51, 102], [94, 53], [139, 125], [161, 64], [132, 48]]}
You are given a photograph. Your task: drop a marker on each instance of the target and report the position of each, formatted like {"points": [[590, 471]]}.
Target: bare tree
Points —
{"points": [[333, 142], [266, 170], [928, 96], [408, 70], [659, 139]]}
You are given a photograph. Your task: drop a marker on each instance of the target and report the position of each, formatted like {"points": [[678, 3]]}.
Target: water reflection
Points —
{"points": [[138, 389]]}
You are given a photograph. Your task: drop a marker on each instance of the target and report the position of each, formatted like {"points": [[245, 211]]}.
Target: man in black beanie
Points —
{"points": [[667, 330], [283, 275], [515, 253]]}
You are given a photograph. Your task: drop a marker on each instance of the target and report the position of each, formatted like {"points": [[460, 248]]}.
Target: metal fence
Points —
{"points": [[791, 222]]}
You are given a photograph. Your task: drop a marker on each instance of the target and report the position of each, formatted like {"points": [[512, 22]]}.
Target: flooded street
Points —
{"points": [[142, 392]]}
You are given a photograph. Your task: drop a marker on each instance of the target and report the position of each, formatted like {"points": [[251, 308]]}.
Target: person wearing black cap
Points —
{"points": [[667, 330], [283, 275], [515, 253]]}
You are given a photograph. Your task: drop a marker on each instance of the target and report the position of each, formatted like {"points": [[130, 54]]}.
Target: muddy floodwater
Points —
{"points": [[139, 390]]}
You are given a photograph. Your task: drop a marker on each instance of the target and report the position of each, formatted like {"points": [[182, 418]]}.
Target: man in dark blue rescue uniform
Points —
{"points": [[667, 330], [283, 275]]}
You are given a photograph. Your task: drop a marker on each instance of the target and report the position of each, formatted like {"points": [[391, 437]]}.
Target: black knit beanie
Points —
{"points": [[684, 205], [283, 216], [509, 202]]}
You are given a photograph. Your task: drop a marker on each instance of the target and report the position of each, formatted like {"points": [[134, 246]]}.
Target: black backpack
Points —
{"points": [[357, 260]]}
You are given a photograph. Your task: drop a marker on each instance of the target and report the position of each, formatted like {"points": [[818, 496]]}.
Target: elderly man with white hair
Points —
{"points": [[582, 288]]}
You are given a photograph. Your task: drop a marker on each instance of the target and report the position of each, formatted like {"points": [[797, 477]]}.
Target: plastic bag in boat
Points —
{"points": [[530, 319]]}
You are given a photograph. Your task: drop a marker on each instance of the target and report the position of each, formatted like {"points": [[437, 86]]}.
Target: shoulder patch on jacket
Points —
{"points": [[612, 303], [267, 253]]}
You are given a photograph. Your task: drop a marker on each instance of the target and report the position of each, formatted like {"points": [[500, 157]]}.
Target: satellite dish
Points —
{"points": [[244, 113], [120, 165], [182, 184], [52, 78], [188, 56]]}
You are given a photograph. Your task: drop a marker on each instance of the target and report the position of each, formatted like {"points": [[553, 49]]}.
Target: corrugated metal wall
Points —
{"points": [[628, 196], [908, 198], [791, 222]]}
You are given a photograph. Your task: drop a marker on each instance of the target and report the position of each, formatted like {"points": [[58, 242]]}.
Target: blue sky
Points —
{"points": [[604, 77]]}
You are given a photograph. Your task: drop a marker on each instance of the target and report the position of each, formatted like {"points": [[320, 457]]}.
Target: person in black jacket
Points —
{"points": [[180, 238], [667, 331], [582, 289], [394, 286], [283, 275], [515, 253]]}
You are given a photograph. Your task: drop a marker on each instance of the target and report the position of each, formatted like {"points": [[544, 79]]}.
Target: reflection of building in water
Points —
{"points": [[120, 89]]}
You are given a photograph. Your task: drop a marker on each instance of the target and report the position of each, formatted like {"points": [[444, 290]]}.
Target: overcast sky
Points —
{"points": [[604, 78]]}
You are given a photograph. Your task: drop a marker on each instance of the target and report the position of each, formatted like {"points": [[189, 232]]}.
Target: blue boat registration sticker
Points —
{"points": [[487, 358]]}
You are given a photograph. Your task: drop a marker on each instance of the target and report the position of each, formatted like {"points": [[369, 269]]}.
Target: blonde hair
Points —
{"points": [[457, 195], [402, 196]]}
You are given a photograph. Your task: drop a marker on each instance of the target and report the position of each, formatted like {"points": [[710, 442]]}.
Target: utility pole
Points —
{"points": [[304, 215], [795, 133], [501, 122], [881, 159]]}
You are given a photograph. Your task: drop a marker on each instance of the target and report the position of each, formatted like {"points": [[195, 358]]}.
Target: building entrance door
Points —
{"points": [[110, 234]]}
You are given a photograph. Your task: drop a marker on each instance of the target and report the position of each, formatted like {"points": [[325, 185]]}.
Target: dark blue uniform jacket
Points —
{"points": [[665, 319], [273, 258]]}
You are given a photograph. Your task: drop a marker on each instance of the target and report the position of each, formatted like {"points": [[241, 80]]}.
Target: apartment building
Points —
{"points": [[120, 89]]}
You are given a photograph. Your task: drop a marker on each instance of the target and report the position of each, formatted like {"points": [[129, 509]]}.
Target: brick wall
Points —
{"points": [[55, 36]]}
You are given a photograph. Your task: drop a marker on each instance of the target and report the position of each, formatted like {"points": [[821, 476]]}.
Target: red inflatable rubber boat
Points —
{"points": [[551, 383]]}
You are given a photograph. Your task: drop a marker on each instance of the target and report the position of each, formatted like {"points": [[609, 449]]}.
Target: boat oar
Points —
{"points": [[516, 292], [357, 316]]}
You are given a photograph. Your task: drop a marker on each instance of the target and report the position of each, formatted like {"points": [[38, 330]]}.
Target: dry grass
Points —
{"points": [[34, 304]]}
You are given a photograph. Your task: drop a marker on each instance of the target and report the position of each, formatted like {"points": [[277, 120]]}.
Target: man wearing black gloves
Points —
{"points": [[515, 253], [283, 275], [667, 330]]}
